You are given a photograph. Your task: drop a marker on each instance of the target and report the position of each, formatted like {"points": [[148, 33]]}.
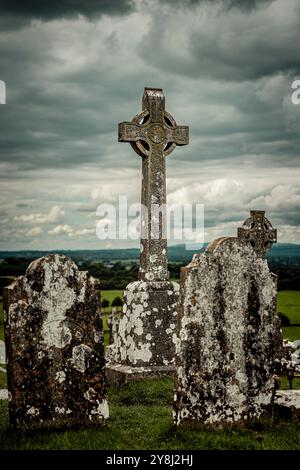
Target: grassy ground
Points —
{"points": [[141, 415], [291, 332], [141, 418]]}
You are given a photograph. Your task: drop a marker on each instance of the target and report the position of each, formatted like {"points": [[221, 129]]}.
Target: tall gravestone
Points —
{"points": [[54, 347], [229, 336], [144, 344]]}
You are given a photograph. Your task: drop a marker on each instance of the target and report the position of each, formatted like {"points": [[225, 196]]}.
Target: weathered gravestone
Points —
{"points": [[229, 336], [54, 347], [144, 344]]}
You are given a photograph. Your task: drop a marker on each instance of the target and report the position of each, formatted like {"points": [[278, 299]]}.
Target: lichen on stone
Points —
{"points": [[229, 336], [54, 345]]}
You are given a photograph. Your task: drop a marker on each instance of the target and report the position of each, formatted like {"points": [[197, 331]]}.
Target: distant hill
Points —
{"points": [[281, 253]]}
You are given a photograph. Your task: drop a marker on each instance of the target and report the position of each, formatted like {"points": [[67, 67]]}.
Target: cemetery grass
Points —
{"points": [[141, 414], [141, 418], [288, 302]]}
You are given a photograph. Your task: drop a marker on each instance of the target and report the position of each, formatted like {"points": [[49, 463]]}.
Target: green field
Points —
{"points": [[288, 302], [110, 295]]}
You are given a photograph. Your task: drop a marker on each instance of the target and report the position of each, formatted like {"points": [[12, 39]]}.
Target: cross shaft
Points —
{"points": [[153, 134]]}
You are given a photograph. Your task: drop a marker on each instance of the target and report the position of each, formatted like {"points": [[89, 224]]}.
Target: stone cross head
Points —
{"points": [[258, 230]]}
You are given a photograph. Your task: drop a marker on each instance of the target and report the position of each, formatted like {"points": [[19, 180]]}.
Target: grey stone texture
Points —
{"points": [[229, 337], [54, 347], [146, 330], [3, 394]]}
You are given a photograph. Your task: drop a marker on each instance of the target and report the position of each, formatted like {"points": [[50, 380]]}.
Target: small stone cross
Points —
{"points": [[258, 230], [153, 134]]}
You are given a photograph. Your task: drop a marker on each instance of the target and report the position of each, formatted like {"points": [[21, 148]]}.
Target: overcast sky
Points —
{"points": [[74, 69]]}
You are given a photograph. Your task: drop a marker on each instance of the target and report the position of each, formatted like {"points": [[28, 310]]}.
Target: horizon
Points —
{"points": [[127, 248]]}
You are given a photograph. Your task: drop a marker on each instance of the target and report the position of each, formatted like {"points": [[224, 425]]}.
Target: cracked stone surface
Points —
{"points": [[229, 336], [146, 330], [54, 346]]}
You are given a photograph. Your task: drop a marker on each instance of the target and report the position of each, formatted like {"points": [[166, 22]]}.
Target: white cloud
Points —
{"points": [[71, 231], [34, 232], [289, 233], [84, 231], [54, 215], [61, 230]]}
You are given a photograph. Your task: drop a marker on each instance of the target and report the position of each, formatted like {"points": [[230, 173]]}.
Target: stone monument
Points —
{"points": [[144, 344]]}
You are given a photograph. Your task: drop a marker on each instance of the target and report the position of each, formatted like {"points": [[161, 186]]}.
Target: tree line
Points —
{"points": [[116, 275]]}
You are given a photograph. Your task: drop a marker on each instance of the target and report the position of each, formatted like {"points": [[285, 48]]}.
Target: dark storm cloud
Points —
{"points": [[246, 5], [226, 69], [238, 45], [17, 13], [69, 117]]}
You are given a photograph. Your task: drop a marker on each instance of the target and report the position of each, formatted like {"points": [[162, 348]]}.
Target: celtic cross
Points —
{"points": [[258, 230], [153, 134]]}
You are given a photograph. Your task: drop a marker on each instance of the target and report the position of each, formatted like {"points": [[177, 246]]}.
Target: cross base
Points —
{"points": [[146, 333]]}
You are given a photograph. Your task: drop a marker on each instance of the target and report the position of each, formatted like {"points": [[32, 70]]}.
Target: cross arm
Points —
{"points": [[178, 134], [130, 132]]}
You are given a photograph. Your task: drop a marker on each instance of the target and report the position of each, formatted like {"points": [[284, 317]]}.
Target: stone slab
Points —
{"points": [[287, 403], [229, 336], [54, 347]]}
